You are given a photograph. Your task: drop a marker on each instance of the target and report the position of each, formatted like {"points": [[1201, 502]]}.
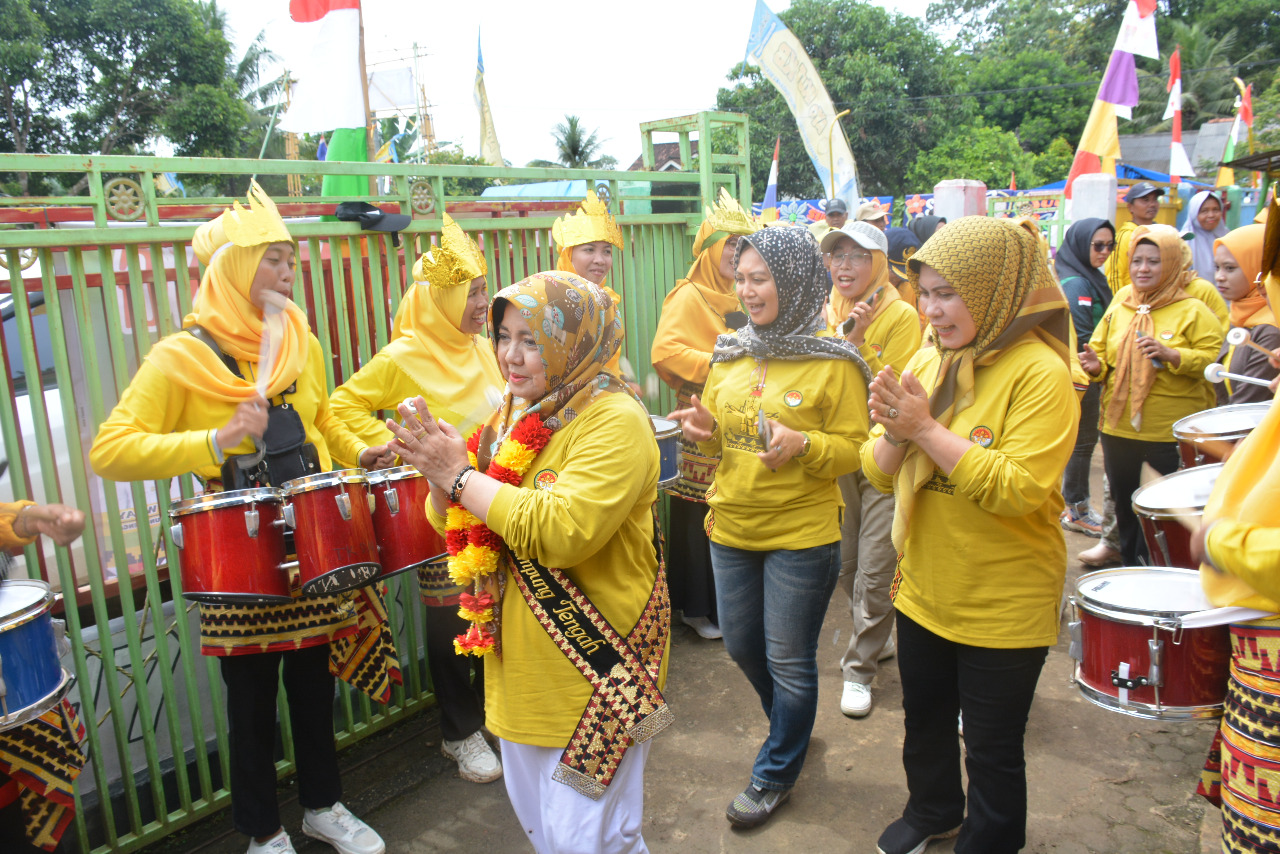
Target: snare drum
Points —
{"points": [[1227, 424], [31, 680], [1165, 504], [231, 547], [406, 540], [332, 531], [1133, 654], [668, 436]]}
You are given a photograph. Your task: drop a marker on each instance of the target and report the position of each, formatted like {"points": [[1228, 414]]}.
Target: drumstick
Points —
{"points": [[273, 305], [1187, 517], [1215, 373], [1239, 336]]}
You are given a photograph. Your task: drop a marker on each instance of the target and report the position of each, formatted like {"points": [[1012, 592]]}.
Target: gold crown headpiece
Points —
{"points": [[456, 261], [258, 224], [726, 216], [591, 222]]}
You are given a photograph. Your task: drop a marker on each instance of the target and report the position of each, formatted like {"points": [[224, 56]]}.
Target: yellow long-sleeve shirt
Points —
{"points": [[692, 362], [8, 515], [1187, 326], [584, 506], [798, 506], [891, 339], [984, 559], [1249, 552], [160, 429]]}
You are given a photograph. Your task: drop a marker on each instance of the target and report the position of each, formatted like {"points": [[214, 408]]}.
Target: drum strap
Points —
{"points": [[626, 703]]}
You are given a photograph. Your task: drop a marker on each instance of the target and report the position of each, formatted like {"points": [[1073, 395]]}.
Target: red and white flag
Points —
{"points": [[1179, 163], [327, 91]]}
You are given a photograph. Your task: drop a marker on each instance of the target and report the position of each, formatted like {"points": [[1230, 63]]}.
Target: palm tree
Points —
{"points": [[1208, 91], [575, 148]]}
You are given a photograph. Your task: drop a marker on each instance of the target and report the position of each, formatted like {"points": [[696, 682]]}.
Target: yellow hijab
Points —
{"points": [[702, 320], [457, 372], [222, 307], [839, 306], [1245, 245], [999, 270], [1134, 373]]}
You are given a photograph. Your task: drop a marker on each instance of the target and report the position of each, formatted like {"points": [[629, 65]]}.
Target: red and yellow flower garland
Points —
{"points": [[473, 548]]}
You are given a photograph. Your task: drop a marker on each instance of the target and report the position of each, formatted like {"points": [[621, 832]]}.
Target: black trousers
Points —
{"points": [[1123, 458], [461, 700], [251, 682], [994, 689], [13, 833], [689, 574]]}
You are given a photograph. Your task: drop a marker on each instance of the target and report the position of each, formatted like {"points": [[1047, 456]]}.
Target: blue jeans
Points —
{"points": [[771, 605]]}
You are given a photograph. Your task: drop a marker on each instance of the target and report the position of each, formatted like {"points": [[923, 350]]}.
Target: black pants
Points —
{"points": [[1123, 459], [1075, 479], [461, 700], [693, 585], [994, 689], [13, 832], [251, 682]]}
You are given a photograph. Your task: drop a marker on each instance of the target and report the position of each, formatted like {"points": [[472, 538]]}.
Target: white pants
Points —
{"points": [[560, 820]]}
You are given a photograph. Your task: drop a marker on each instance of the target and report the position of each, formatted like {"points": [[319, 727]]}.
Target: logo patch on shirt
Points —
{"points": [[1084, 300], [875, 348], [1167, 334], [982, 436], [545, 479], [793, 398]]}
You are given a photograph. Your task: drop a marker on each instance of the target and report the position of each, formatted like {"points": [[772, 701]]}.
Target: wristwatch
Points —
{"points": [[805, 449]]}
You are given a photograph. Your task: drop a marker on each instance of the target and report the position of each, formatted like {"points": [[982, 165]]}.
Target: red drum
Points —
{"points": [[1165, 504], [406, 540], [231, 547], [332, 531], [1133, 654], [1226, 424]]}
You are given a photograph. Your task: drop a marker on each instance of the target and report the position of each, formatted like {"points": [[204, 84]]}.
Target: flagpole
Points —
{"points": [[831, 154], [364, 90]]}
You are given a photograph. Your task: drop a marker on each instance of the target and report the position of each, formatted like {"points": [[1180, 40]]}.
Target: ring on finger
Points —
{"points": [[892, 413]]}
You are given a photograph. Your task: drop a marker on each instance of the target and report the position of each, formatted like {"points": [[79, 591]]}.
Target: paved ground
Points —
{"points": [[1100, 782]]}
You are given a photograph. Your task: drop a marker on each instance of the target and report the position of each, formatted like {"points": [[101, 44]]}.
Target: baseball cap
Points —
{"points": [[902, 245], [837, 206], [870, 212], [864, 234], [1140, 189]]}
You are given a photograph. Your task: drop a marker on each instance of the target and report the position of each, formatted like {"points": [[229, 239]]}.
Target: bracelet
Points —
{"points": [[455, 494], [893, 441], [17, 518]]}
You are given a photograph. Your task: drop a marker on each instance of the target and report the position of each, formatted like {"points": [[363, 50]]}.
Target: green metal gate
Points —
{"points": [[101, 292]]}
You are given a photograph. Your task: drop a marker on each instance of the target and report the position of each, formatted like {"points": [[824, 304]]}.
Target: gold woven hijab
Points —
{"points": [[1134, 374], [999, 271]]}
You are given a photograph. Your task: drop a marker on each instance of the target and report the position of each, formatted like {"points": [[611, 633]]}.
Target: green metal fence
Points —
{"points": [[102, 291]]}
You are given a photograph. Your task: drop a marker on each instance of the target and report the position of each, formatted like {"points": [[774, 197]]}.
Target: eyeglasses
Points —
{"points": [[1100, 246], [850, 258]]}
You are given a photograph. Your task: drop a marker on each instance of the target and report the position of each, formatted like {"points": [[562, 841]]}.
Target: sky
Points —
{"points": [[614, 65]]}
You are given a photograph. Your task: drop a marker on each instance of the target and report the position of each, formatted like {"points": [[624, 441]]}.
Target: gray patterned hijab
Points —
{"points": [[795, 262]]}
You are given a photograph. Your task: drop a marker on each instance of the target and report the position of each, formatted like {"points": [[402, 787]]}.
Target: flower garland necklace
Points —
{"points": [[473, 548]]}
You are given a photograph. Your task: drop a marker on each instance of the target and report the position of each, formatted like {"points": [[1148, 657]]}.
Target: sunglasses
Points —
{"points": [[1100, 246]]}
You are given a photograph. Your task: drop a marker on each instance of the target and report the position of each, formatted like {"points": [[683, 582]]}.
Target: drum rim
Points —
{"points": [[38, 708], [1147, 711], [393, 473], [231, 498], [30, 612], [312, 482], [1233, 407], [665, 432], [1156, 512], [1120, 613]]}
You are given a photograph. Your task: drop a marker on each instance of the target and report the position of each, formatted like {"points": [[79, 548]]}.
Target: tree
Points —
{"points": [[1030, 94], [1266, 119], [461, 186], [897, 80], [1208, 91], [576, 148], [976, 152]]}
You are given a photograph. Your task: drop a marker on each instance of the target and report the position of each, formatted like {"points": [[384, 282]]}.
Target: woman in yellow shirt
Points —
{"points": [[1238, 257], [973, 442], [868, 311], [1150, 350], [551, 523], [700, 308], [187, 411], [587, 238], [437, 352], [787, 411]]}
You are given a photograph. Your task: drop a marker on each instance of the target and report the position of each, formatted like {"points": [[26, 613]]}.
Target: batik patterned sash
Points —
{"points": [[44, 758], [626, 703], [367, 660], [696, 469]]}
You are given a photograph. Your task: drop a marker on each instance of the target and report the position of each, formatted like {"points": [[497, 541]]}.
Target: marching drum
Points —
{"points": [[668, 436], [31, 680], [1226, 424], [231, 547], [1134, 655], [333, 531], [406, 540], [1165, 507]]}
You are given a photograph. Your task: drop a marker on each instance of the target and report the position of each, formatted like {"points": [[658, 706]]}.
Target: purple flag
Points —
{"points": [[1120, 83]]}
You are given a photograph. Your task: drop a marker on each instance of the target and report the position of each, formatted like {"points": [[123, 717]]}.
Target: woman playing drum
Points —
{"points": [[701, 307], [438, 353], [186, 410], [548, 511], [1238, 256], [972, 442], [787, 411]]}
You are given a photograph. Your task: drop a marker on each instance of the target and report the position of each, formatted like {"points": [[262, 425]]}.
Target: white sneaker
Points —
{"points": [[476, 760], [855, 702], [342, 830], [704, 627], [278, 844]]}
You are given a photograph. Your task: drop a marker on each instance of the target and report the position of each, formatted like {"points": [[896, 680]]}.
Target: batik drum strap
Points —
{"points": [[626, 703]]}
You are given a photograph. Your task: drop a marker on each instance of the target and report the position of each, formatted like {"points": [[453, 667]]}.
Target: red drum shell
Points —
{"points": [[1167, 505], [334, 553], [406, 540], [1195, 668], [1227, 424], [219, 562]]}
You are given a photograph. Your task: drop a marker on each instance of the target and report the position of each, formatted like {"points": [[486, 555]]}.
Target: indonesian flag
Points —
{"points": [[1244, 116], [769, 207], [1099, 146], [1179, 163], [327, 92]]}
